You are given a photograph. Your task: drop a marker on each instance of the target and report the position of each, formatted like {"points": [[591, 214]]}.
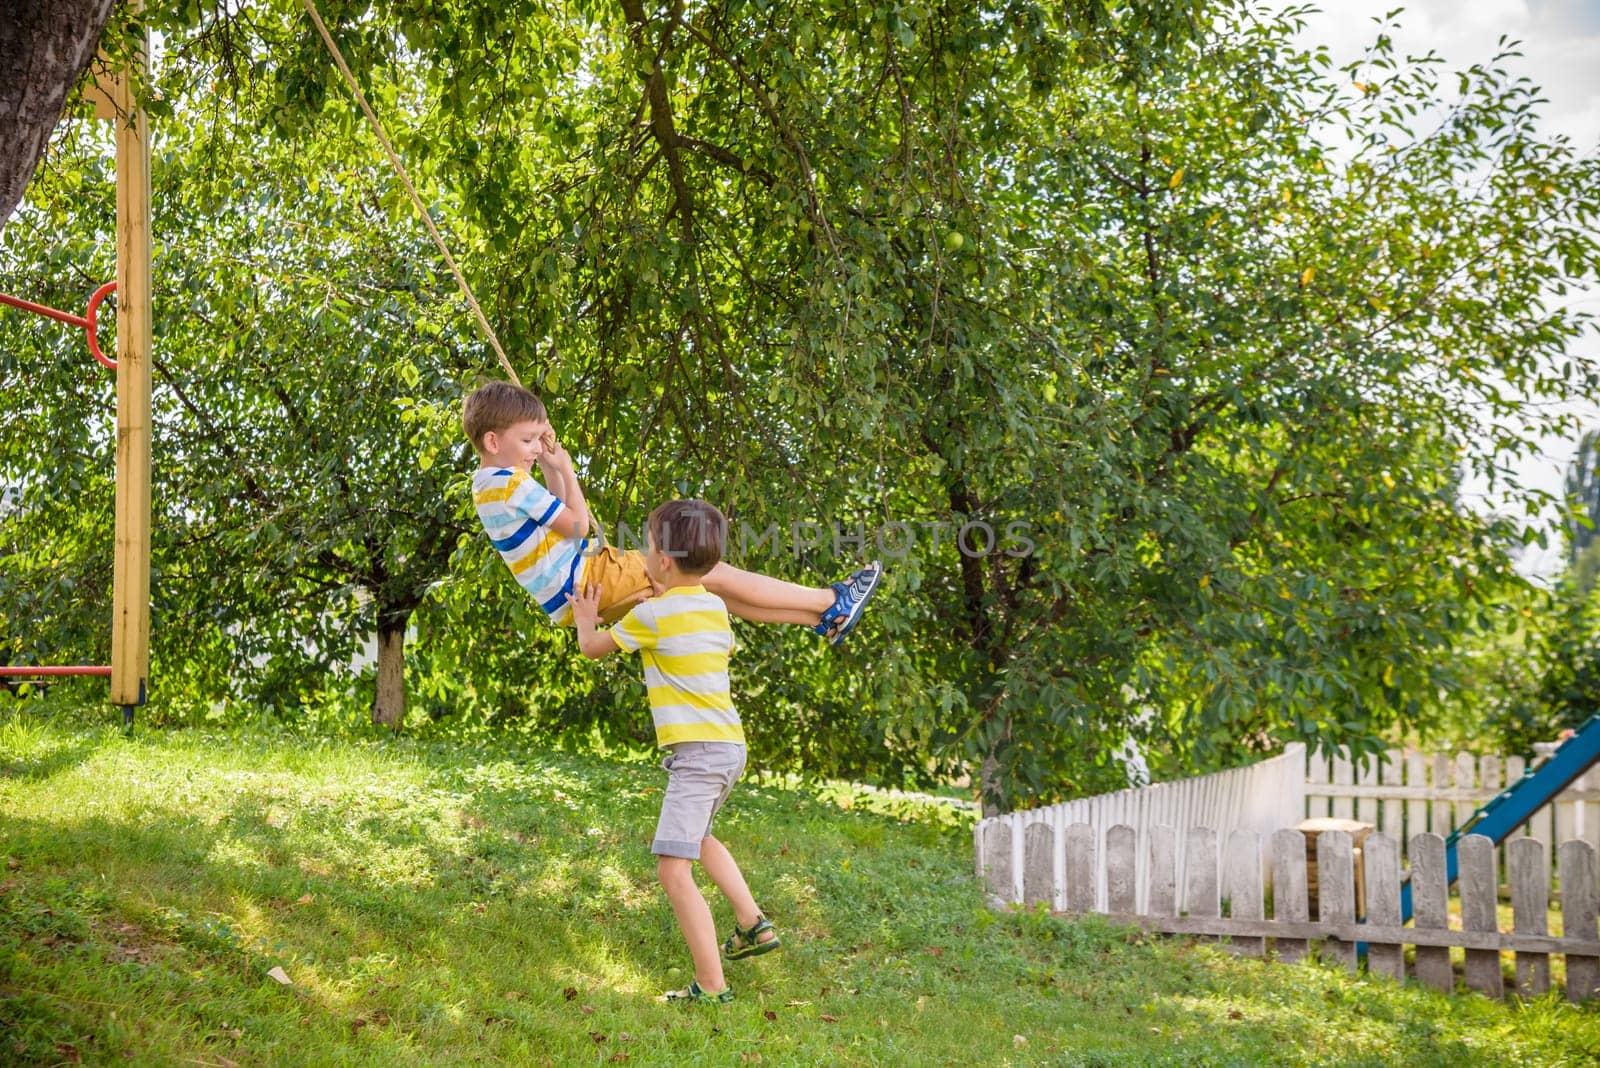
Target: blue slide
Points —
{"points": [[1517, 803]]}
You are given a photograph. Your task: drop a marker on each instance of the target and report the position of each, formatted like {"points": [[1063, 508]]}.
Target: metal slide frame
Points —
{"points": [[1517, 803]]}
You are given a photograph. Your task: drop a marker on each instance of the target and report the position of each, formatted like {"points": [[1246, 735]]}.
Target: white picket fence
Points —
{"points": [[1120, 854], [1138, 878], [1405, 793], [1400, 793], [1262, 798]]}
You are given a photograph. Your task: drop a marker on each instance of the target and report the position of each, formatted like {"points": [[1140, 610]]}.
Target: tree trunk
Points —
{"points": [[991, 782], [989, 786], [389, 700], [987, 640], [44, 46]]}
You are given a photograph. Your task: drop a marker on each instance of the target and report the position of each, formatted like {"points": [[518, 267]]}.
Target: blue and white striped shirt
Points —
{"points": [[516, 512]]}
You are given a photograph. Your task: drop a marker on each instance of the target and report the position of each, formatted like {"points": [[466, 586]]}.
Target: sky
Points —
{"points": [[1560, 42]]}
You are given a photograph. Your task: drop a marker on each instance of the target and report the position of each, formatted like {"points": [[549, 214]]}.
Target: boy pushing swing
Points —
{"points": [[684, 639]]}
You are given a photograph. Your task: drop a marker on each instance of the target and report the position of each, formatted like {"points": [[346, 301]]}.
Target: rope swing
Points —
{"points": [[405, 180]]}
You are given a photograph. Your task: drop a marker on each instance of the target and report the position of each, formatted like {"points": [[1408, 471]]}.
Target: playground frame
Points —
{"points": [[128, 671]]}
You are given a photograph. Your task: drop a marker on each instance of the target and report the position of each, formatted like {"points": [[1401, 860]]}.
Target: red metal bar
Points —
{"points": [[82, 669], [85, 321], [88, 325], [40, 309]]}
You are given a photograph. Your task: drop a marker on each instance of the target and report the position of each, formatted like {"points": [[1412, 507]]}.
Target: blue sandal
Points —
{"points": [[850, 598], [746, 941]]}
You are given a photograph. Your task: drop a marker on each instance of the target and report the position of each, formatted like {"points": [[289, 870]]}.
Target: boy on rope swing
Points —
{"points": [[684, 640], [540, 531]]}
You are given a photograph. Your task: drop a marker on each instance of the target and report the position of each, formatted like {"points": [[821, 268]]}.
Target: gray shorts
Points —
{"points": [[700, 775]]}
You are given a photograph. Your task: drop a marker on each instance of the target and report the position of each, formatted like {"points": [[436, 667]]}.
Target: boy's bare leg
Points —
{"points": [[757, 614], [724, 871], [694, 920], [763, 592]]}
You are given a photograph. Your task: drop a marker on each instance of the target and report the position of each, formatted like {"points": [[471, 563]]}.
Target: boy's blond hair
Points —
{"points": [[495, 406]]}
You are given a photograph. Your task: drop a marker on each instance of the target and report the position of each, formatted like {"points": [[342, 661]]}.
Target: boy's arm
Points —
{"points": [[560, 479], [585, 613]]}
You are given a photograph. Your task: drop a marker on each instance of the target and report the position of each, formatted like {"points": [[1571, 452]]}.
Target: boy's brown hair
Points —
{"points": [[495, 406], [691, 533]]}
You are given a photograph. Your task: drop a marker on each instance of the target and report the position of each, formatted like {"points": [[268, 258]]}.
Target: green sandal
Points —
{"points": [[745, 942], [693, 995]]}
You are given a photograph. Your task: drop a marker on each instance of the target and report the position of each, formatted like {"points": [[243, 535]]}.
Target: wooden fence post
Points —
{"points": [[1162, 898], [1530, 908], [1391, 773], [1122, 862], [1590, 809], [1479, 899], [1336, 893], [1466, 780], [1039, 864], [1367, 775], [1289, 889], [1516, 765], [1565, 817], [1344, 808], [1440, 813], [997, 860], [1381, 855], [1430, 908], [1416, 805], [1200, 874], [1080, 868], [1542, 824], [1580, 907], [1243, 888], [1316, 775]]}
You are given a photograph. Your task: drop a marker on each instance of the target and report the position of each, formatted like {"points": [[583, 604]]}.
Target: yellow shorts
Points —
{"points": [[621, 577]]}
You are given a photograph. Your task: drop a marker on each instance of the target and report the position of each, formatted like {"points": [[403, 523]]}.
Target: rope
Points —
{"points": [[400, 172]]}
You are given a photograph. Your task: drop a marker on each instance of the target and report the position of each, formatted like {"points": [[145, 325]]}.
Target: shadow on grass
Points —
{"points": [[100, 912], [55, 760]]}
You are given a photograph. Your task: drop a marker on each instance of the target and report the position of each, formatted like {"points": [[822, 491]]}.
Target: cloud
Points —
{"points": [[1572, 17], [1559, 41]]}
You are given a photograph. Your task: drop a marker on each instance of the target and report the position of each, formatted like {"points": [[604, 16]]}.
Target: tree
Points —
{"points": [[1104, 280], [295, 516], [45, 45], [1553, 681], [1093, 281], [1096, 274], [1583, 502]]}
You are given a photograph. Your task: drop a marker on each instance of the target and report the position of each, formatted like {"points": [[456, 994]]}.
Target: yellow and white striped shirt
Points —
{"points": [[684, 639]]}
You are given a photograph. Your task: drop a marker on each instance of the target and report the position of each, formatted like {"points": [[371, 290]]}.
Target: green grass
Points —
{"points": [[496, 905]]}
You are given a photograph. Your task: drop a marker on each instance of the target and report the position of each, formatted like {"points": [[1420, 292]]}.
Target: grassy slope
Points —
{"points": [[437, 905]]}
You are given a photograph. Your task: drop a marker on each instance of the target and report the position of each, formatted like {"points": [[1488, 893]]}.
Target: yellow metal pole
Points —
{"points": [[130, 594]]}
